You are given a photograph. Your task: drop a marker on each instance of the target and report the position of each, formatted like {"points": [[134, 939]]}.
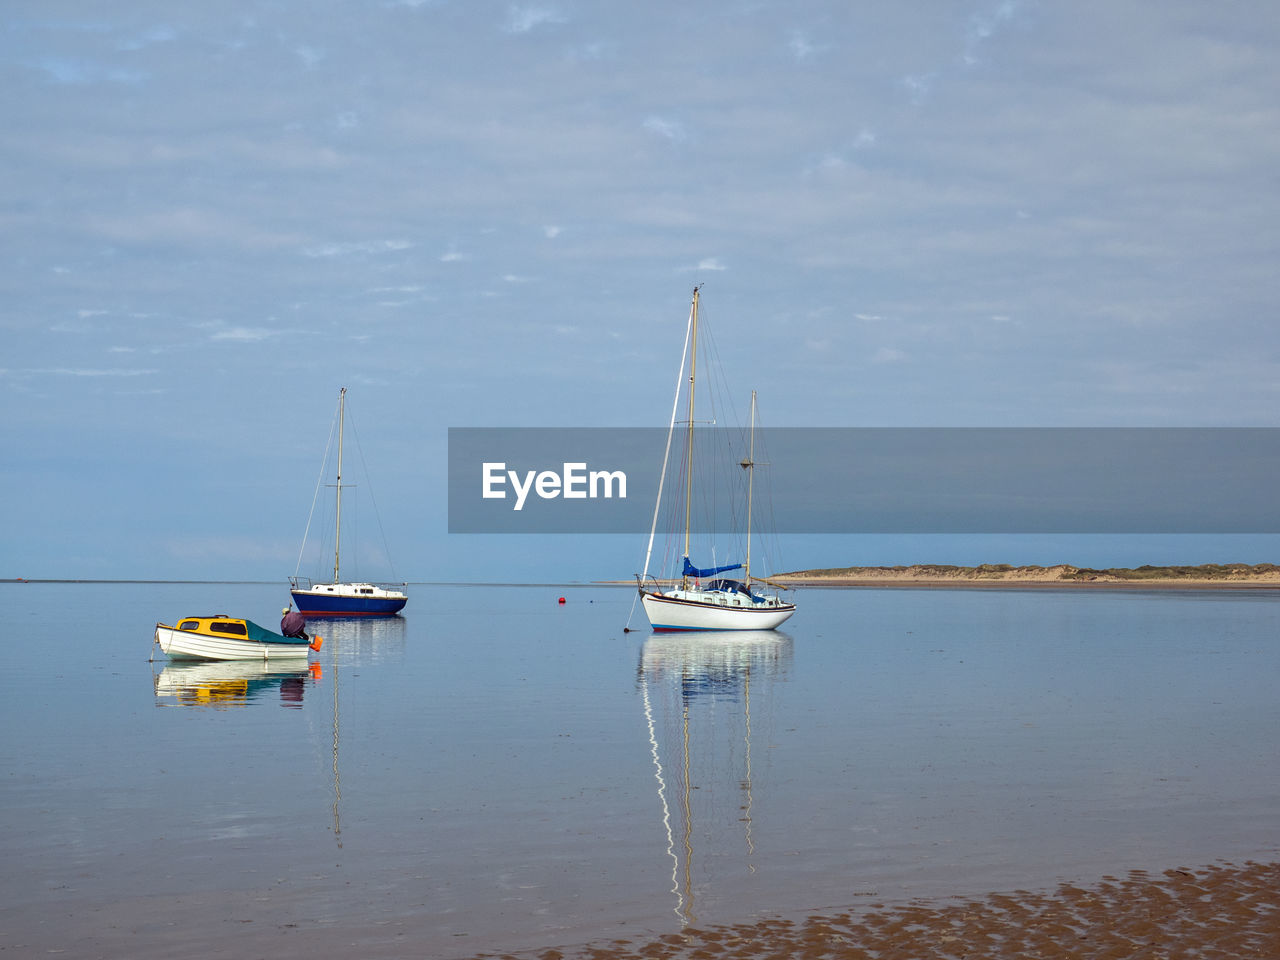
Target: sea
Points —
{"points": [[519, 768]]}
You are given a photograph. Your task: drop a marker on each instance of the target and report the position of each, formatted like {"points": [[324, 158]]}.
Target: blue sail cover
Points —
{"points": [[691, 571]]}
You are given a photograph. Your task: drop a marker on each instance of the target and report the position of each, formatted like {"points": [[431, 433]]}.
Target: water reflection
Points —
{"points": [[353, 642], [361, 640], [699, 692], [235, 683]]}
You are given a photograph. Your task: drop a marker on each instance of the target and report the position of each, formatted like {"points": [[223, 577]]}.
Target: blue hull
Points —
{"points": [[313, 605]]}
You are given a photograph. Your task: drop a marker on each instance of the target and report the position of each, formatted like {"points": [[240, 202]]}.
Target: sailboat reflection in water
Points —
{"points": [[699, 691], [356, 642], [234, 683]]}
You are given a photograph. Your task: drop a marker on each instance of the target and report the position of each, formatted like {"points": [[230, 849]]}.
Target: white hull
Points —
{"points": [[185, 645], [699, 610]]}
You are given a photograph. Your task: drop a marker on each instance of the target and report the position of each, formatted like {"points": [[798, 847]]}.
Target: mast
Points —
{"points": [[337, 536], [688, 480], [749, 464]]}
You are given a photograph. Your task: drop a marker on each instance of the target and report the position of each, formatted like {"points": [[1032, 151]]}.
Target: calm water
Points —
{"points": [[496, 771]]}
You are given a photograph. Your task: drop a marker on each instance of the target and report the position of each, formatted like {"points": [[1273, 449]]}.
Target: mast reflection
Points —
{"points": [[353, 642], [699, 691]]}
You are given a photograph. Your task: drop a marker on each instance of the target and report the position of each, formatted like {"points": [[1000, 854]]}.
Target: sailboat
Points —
{"points": [[338, 598], [717, 603]]}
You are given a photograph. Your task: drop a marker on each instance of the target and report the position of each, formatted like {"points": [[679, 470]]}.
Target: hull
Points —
{"points": [[677, 613], [347, 600], [190, 645]]}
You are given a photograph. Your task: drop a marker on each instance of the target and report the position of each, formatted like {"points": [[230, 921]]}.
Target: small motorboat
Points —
{"points": [[229, 638]]}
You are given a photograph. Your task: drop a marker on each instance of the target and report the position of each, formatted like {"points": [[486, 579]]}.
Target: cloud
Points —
{"points": [[671, 129], [524, 19], [156, 35], [982, 26], [708, 263], [87, 372], [590, 52], [919, 86], [366, 247], [184, 226], [551, 231], [245, 334], [800, 46], [73, 72], [888, 355], [310, 56]]}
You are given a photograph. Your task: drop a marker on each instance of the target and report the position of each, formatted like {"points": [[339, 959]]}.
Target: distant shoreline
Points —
{"points": [[1234, 576]]}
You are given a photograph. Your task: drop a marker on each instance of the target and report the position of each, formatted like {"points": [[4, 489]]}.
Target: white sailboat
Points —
{"points": [[340, 598], [701, 601]]}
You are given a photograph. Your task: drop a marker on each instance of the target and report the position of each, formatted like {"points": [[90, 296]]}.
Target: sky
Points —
{"points": [[470, 214]]}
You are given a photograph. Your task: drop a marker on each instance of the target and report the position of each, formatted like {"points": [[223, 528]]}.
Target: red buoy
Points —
{"points": [[562, 599]]}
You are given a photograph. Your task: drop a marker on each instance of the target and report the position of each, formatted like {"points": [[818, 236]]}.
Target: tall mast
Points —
{"points": [[688, 480], [750, 464], [337, 537]]}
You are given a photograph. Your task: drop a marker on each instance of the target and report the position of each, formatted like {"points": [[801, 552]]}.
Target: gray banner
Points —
{"points": [[869, 480]]}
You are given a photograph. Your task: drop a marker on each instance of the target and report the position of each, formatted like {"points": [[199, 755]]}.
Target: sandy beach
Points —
{"points": [[1223, 911], [1235, 576]]}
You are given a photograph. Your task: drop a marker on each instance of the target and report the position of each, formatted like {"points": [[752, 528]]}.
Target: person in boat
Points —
{"points": [[293, 623]]}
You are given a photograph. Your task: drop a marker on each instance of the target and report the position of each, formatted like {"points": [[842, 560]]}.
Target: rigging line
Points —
{"points": [[675, 405], [386, 549], [324, 465], [657, 506]]}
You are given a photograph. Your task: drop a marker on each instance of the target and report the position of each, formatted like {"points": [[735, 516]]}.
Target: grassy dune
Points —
{"points": [[1061, 573]]}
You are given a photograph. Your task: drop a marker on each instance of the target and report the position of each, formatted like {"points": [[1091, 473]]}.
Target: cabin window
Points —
{"points": [[189, 625], [366, 590], [234, 628]]}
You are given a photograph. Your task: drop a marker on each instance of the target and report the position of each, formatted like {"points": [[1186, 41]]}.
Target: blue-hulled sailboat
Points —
{"points": [[339, 598]]}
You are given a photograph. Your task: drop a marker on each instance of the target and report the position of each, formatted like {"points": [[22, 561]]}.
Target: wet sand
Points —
{"points": [[1222, 911]]}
